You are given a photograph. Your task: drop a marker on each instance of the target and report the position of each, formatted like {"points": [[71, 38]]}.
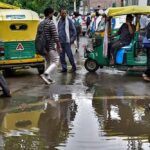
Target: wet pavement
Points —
{"points": [[107, 110]]}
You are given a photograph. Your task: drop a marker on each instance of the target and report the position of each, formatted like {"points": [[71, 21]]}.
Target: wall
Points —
{"points": [[137, 2], [103, 3], [143, 2]]}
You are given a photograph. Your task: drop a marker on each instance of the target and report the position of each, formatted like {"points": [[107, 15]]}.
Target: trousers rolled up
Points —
{"points": [[52, 62]]}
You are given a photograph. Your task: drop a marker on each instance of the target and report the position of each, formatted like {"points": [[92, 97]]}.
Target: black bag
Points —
{"points": [[40, 40]]}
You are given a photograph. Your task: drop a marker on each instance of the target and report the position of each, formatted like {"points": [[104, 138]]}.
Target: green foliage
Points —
{"points": [[40, 5]]}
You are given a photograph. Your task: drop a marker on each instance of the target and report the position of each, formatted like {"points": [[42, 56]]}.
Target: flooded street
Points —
{"points": [[107, 110], [81, 111]]}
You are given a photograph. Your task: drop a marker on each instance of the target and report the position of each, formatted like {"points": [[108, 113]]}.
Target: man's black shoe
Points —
{"points": [[72, 70], [63, 71], [5, 95]]}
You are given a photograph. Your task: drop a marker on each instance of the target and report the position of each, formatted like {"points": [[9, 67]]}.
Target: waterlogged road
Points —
{"points": [[105, 110]]}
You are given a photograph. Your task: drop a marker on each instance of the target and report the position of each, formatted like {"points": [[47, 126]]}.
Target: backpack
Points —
{"points": [[77, 25], [40, 40], [148, 31]]}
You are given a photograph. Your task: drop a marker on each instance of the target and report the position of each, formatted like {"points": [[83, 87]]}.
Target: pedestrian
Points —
{"points": [[146, 43], [41, 17], [143, 24], [88, 21], [98, 18], [53, 46], [55, 17], [77, 22], [67, 36], [93, 23], [4, 86]]}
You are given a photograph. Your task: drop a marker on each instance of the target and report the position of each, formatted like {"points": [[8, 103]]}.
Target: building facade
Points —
{"points": [[103, 3], [109, 3], [137, 2]]}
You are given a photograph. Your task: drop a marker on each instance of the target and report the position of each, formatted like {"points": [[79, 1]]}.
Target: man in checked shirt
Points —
{"points": [[53, 44]]}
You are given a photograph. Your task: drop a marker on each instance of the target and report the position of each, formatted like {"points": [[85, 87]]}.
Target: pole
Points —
{"points": [[121, 3], [75, 8]]}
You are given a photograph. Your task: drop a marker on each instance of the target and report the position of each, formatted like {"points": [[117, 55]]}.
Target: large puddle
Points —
{"points": [[90, 115]]}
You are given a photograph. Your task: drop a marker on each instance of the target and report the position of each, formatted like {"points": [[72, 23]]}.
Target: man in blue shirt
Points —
{"points": [[67, 35]]}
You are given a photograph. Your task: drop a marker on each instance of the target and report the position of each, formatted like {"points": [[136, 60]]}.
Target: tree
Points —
{"points": [[40, 5]]}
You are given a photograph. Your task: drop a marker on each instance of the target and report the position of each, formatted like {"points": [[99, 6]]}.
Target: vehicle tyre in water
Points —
{"points": [[91, 65], [41, 69], [8, 72]]}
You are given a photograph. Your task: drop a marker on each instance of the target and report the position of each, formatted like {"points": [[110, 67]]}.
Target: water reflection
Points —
{"points": [[124, 118], [54, 122], [3, 106], [120, 114], [67, 79], [98, 113], [37, 125]]}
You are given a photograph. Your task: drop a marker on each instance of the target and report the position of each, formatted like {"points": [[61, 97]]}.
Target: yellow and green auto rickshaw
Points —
{"points": [[132, 55], [18, 29]]}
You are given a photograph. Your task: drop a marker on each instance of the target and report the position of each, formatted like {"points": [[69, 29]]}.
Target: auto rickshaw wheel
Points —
{"points": [[8, 72], [41, 69], [91, 65]]}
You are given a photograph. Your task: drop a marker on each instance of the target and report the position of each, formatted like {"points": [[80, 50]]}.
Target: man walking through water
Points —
{"points": [[52, 55]]}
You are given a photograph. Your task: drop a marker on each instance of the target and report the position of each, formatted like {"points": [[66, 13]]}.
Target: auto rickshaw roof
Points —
{"points": [[117, 11], [18, 14], [7, 6]]}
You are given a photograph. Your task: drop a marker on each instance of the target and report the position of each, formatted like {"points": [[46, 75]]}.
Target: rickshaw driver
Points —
{"points": [[126, 32]]}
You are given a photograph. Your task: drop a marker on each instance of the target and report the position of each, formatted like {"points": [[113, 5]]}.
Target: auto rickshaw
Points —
{"points": [[128, 56], [17, 36]]}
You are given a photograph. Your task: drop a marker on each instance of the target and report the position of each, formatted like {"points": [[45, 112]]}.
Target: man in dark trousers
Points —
{"points": [[146, 74], [4, 86], [67, 36]]}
